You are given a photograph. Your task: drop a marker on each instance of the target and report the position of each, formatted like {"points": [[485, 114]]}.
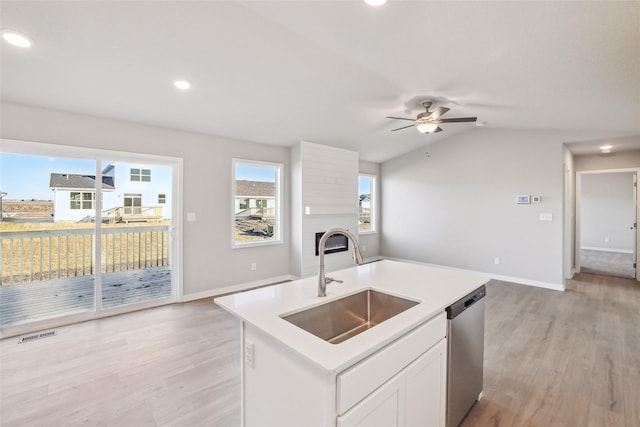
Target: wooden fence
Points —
{"points": [[31, 256]]}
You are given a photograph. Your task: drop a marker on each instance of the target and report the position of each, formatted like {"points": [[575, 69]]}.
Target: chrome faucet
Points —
{"points": [[357, 257]]}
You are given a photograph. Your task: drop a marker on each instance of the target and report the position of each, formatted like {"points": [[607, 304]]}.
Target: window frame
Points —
{"points": [[277, 238], [373, 215]]}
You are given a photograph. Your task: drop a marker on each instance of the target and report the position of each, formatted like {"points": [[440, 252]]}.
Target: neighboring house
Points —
{"points": [[129, 193], [365, 203], [255, 199], [74, 195]]}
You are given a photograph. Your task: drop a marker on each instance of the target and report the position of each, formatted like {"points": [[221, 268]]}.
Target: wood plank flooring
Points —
{"points": [[561, 359], [607, 263], [552, 359]]}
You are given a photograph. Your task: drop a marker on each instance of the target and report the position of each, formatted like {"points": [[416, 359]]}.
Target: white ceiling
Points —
{"points": [[330, 71]]}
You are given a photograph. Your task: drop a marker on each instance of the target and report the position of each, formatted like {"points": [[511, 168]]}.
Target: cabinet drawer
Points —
{"points": [[357, 382]]}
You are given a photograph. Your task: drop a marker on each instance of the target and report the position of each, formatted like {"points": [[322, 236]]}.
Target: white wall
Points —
{"points": [[607, 211], [328, 186], [457, 207], [209, 261]]}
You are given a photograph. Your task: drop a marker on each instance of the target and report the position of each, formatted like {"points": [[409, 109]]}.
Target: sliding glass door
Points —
{"points": [[135, 233], [47, 235], [84, 236]]}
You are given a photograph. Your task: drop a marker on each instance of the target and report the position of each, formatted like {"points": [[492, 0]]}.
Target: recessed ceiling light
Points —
{"points": [[16, 39], [606, 147], [375, 2], [481, 124], [182, 84]]}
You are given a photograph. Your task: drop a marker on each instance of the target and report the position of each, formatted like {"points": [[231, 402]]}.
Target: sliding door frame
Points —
{"points": [[175, 231]]}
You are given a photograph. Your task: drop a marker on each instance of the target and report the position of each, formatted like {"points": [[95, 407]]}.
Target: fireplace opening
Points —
{"points": [[335, 243]]}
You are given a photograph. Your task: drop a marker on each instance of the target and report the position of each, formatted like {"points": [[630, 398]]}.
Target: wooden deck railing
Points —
{"points": [[30, 256], [132, 214]]}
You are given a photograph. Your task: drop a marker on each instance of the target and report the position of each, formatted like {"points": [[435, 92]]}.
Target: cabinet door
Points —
{"points": [[382, 408], [426, 388]]}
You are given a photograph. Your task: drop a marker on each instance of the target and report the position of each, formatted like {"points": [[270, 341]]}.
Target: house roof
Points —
{"points": [[246, 188], [79, 182]]}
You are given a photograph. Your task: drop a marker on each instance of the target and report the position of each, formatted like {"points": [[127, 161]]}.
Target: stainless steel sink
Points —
{"points": [[339, 320]]}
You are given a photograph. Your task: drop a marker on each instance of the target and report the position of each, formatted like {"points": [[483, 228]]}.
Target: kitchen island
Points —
{"points": [[390, 374]]}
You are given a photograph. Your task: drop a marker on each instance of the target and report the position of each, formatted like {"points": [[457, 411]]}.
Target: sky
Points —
{"points": [[255, 173], [26, 177]]}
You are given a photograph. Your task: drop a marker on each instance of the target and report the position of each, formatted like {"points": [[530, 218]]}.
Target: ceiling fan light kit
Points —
{"points": [[427, 127], [428, 121]]}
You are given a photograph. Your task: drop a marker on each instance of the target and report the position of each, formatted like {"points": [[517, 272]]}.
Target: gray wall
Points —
{"points": [[607, 211], [457, 207], [616, 160], [209, 261]]}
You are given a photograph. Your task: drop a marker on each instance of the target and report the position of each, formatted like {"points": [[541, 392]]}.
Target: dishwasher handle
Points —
{"points": [[464, 303]]}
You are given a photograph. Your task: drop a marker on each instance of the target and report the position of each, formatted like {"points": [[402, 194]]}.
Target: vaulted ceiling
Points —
{"points": [[278, 72]]}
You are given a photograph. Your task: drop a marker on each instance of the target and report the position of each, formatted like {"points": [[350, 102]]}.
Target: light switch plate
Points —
{"points": [[191, 217]]}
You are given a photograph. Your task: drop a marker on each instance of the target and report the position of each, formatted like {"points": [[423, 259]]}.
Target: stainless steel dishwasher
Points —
{"points": [[465, 333]]}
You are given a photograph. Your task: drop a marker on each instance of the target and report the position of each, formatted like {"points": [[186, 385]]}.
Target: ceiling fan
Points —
{"points": [[428, 121]]}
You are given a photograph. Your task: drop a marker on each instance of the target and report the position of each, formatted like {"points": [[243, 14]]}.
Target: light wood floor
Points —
{"points": [[552, 359], [607, 263], [561, 359]]}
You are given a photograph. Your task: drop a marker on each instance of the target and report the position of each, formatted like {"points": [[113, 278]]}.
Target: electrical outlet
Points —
{"points": [[363, 248], [496, 260], [249, 355], [254, 266]]}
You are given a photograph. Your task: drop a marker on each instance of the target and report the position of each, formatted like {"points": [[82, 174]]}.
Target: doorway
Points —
{"points": [[607, 223], [84, 234]]}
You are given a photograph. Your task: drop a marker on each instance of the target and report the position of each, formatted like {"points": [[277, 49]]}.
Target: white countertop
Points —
{"points": [[435, 288]]}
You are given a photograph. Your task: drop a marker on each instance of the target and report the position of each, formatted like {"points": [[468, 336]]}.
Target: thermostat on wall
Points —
{"points": [[523, 200]]}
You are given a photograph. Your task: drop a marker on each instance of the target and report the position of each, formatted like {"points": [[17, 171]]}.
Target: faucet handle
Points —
{"points": [[328, 280]]}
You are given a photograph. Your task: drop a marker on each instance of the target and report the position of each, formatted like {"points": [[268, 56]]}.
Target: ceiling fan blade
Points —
{"points": [[435, 114], [400, 118], [456, 120], [403, 127]]}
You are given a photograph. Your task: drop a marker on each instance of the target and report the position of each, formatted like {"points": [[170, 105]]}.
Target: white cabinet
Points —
{"points": [[383, 408], [412, 398], [401, 384], [426, 385]]}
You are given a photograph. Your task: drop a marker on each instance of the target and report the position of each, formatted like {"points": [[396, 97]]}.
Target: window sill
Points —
{"points": [[249, 244]]}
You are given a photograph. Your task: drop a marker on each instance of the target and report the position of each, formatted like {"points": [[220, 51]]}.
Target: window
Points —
{"points": [[82, 200], [162, 199], [143, 175], [366, 203], [256, 203], [132, 204]]}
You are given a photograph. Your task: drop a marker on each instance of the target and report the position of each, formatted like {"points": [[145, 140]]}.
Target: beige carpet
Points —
{"points": [[607, 263]]}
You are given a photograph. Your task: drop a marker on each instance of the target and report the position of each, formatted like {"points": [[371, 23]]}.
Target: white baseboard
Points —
{"points": [[236, 288], [619, 251], [519, 280]]}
